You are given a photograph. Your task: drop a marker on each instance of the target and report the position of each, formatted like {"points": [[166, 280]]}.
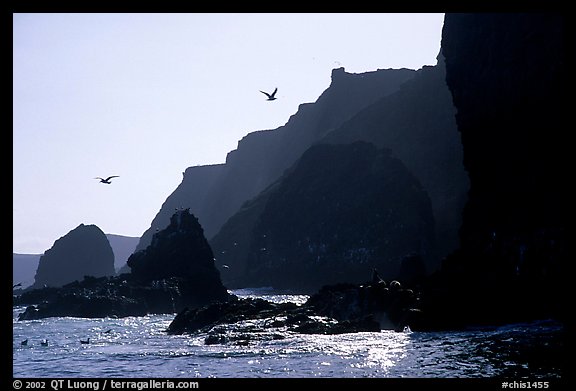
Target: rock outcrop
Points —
{"points": [[118, 296], [181, 251], [198, 184], [340, 212], [214, 193], [84, 251], [335, 309]]}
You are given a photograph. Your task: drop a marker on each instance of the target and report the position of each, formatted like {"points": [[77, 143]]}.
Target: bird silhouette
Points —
{"points": [[85, 342], [107, 180], [25, 342], [14, 286], [44, 343], [272, 95]]}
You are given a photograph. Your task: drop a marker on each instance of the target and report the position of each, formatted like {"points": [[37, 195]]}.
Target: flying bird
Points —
{"points": [[270, 96], [107, 180]]}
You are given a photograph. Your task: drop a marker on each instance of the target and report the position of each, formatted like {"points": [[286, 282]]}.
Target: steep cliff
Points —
{"points": [[507, 74], [417, 123], [84, 251], [340, 212], [215, 193]]}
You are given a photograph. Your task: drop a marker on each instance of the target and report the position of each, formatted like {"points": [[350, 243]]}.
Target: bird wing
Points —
{"points": [[99, 178], [267, 94], [274, 93], [110, 177]]}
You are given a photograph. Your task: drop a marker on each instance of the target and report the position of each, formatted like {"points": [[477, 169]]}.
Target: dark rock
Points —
{"points": [[316, 326], [297, 319], [338, 213], [240, 338], [35, 296], [181, 251], [30, 313], [364, 305], [215, 339], [278, 323], [98, 298], [231, 311], [412, 270], [508, 74], [84, 251], [344, 308]]}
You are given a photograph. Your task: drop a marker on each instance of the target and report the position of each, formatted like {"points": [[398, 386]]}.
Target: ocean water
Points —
{"points": [[137, 347]]}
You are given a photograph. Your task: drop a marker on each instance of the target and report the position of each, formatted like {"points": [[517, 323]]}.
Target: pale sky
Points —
{"points": [[144, 96]]}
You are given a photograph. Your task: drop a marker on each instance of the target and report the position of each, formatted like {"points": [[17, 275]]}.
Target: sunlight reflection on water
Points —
{"points": [[140, 347]]}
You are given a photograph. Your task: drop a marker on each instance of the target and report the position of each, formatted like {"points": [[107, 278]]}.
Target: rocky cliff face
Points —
{"points": [[507, 74], [340, 212], [84, 251], [215, 193], [181, 251], [417, 123]]}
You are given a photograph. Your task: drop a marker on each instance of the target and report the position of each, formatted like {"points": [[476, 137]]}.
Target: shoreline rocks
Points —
{"points": [[176, 271], [335, 309]]}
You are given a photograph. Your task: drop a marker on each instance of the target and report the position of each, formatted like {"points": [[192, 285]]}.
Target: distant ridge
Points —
{"points": [[123, 247], [23, 268]]}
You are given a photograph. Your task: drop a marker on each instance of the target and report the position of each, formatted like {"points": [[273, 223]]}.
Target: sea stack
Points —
{"points": [[181, 251], [84, 251]]}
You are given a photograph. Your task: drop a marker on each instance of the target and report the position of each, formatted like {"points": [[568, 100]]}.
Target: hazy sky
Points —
{"points": [[144, 96]]}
